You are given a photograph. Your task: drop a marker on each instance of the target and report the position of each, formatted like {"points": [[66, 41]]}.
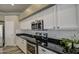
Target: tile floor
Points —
{"points": [[10, 50]]}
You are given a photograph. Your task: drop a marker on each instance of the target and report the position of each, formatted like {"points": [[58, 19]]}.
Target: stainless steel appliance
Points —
{"points": [[37, 25], [31, 45], [31, 48]]}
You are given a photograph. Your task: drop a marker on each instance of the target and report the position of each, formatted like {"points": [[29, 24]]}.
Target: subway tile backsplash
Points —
{"points": [[62, 34], [56, 33]]}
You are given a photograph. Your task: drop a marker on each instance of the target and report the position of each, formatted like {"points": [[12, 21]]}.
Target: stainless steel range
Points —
{"points": [[31, 46]]}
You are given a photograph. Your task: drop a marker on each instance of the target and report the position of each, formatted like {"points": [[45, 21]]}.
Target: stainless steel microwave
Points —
{"points": [[37, 25]]}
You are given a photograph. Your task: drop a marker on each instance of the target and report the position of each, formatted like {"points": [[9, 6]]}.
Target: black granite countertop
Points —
{"points": [[53, 44], [51, 40], [53, 47], [24, 34]]}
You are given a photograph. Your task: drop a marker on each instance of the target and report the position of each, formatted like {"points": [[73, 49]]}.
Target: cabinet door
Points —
{"points": [[42, 50], [66, 16], [28, 24], [77, 14], [18, 42], [22, 44], [49, 18], [23, 25]]}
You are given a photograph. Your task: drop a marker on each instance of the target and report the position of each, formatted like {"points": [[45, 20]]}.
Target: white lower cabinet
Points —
{"points": [[22, 44], [42, 50]]}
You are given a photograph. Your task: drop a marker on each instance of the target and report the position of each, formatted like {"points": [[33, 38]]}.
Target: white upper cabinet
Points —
{"points": [[50, 18], [77, 14], [22, 25], [66, 16], [61, 16], [26, 24]]}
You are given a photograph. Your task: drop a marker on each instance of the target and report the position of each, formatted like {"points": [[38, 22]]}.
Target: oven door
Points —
{"points": [[31, 48]]}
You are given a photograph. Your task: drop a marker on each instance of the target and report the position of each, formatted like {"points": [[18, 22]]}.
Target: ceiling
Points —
{"points": [[14, 8]]}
